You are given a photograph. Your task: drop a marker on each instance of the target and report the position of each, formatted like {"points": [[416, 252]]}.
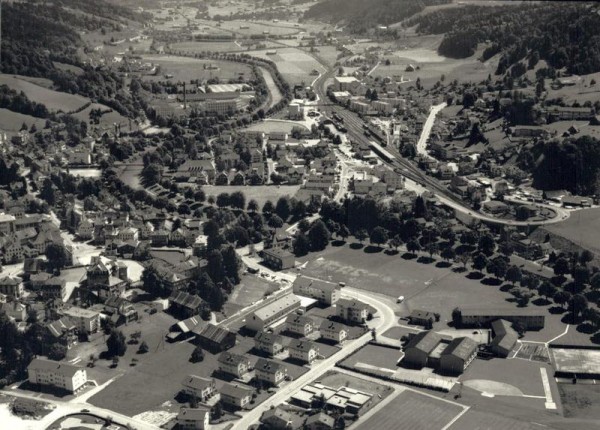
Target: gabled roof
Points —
{"points": [[504, 335], [270, 338], [197, 382], [461, 347], [214, 333], [43, 365], [187, 300], [302, 345], [57, 328], [303, 282], [276, 414], [231, 358], [424, 341], [268, 366], [196, 414], [321, 418], [235, 390], [299, 319], [333, 326]]}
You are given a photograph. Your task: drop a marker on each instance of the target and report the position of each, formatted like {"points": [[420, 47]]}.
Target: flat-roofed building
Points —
{"points": [[278, 259], [482, 317], [273, 312], [326, 293], [85, 320], [56, 374]]}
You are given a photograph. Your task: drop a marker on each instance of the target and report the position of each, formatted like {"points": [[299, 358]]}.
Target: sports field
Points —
{"points": [[412, 411], [187, 69], [294, 64]]}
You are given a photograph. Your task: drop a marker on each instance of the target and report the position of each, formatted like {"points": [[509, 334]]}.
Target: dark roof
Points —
{"points": [[41, 364], [214, 333], [461, 347], [186, 300], [417, 313], [268, 366], [299, 319], [277, 414], [302, 345], [196, 414], [197, 382], [504, 335], [266, 337], [235, 390], [332, 325], [425, 341], [231, 358], [322, 418]]}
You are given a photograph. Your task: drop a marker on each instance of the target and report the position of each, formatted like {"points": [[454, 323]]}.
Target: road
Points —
{"points": [[74, 406], [385, 319], [354, 125], [422, 144]]}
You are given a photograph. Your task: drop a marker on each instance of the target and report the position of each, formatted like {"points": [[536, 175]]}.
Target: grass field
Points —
{"points": [[412, 411], [582, 228], [259, 193], [11, 122], [294, 64], [186, 69], [382, 357], [107, 120], [197, 47], [54, 100], [254, 27], [269, 126], [251, 289], [476, 419], [580, 401]]}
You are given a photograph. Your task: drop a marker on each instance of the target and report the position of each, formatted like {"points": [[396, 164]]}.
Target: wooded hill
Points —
{"points": [[565, 34], [359, 15]]}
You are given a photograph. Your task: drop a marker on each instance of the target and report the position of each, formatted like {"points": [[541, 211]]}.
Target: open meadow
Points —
{"points": [[187, 69], [295, 65]]}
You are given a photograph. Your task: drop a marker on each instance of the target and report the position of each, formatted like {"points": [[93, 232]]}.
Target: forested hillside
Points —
{"points": [[565, 34], [361, 15], [35, 34]]}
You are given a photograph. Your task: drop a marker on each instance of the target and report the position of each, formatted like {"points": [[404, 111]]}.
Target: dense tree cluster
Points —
{"points": [[361, 16], [564, 34]]}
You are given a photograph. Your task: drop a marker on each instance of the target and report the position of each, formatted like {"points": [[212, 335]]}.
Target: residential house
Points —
{"points": [[276, 419], [234, 364], [64, 331], [200, 388], [236, 396], [333, 331], [120, 307], [299, 324], [193, 419], [85, 320], [269, 343], [11, 286], [14, 310], [326, 293], [185, 304], [56, 374], [303, 350], [420, 317], [352, 311], [278, 259], [270, 372], [320, 421], [53, 288]]}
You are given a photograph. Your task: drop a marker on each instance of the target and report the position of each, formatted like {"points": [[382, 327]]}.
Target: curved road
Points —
{"points": [[354, 125], [384, 319]]}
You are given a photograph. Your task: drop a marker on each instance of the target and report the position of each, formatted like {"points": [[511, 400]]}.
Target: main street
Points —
{"points": [[384, 320]]}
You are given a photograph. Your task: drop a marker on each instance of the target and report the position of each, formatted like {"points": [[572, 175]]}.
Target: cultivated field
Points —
{"points": [[187, 69], [412, 411], [259, 193], [54, 100], [11, 122], [294, 64]]}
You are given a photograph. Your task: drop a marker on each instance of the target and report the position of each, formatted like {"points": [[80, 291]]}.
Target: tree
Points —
{"points": [[252, 205], [448, 253], [561, 267], [153, 283], [283, 208], [301, 245], [116, 344], [487, 244], [514, 275], [57, 255], [578, 304], [361, 235], [343, 232], [275, 222], [480, 262], [319, 236], [237, 200], [547, 290], [562, 297], [143, 348], [268, 207], [151, 174], [223, 200], [456, 317], [197, 355], [379, 235], [497, 267], [595, 281], [581, 275], [413, 246]]}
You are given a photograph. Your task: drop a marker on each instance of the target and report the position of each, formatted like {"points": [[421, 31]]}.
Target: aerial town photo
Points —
{"points": [[299, 214]]}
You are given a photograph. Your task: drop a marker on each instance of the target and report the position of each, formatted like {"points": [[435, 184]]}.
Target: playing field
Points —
{"points": [[487, 421], [412, 411], [294, 64], [187, 69]]}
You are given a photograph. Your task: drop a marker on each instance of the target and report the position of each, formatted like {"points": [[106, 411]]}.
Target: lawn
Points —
{"points": [[260, 193], [269, 126], [580, 401], [108, 119], [412, 411], [197, 47], [187, 69], [54, 100], [476, 419], [374, 355], [251, 289]]}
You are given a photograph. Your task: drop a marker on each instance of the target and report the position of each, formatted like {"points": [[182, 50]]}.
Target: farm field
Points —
{"points": [[11, 122], [294, 64], [259, 193], [256, 27], [414, 412], [187, 69], [54, 100]]}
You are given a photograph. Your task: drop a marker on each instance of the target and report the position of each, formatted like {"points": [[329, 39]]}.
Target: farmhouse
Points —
{"points": [[326, 293], [214, 338], [56, 374]]}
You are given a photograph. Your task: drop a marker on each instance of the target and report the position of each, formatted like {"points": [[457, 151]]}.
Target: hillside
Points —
{"points": [[564, 34], [359, 15], [38, 35]]}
